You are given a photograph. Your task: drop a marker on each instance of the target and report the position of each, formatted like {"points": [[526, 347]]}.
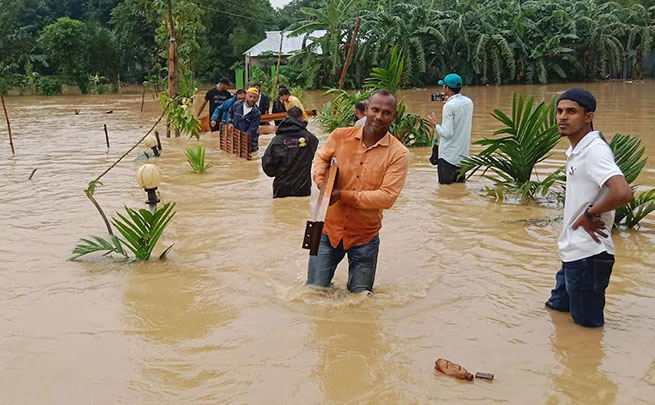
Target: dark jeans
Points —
{"points": [[580, 289], [448, 173], [362, 262]]}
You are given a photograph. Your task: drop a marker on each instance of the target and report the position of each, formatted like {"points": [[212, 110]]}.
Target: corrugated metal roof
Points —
{"points": [[289, 44]]}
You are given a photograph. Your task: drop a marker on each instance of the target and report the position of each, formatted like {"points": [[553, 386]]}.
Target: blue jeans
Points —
{"points": [[362, 262], [580, 289]]}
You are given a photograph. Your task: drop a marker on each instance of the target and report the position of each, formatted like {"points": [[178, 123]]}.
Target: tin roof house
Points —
{"points": [[270, 47]]}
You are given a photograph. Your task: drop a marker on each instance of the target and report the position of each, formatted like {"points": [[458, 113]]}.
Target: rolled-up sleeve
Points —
{"points": [[386, 195]]}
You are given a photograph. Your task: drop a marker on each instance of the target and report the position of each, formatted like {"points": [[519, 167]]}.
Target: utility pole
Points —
{"points": [[173, 89]]}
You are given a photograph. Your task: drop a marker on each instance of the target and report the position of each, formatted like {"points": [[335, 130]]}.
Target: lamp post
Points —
{"points": [[149, 177], [151, 142]]}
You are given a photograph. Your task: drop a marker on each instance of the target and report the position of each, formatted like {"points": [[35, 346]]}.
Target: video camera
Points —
{"points": [[437, 97]]}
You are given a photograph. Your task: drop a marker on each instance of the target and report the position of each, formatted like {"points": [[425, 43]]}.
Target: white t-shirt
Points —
{"points": [[588, 167], [246, 109], [361, 122]]}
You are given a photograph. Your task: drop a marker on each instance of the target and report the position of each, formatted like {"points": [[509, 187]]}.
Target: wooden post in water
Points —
{"points": [[4, 107], [106, 135], [158, 140], [349, 56], [277, 69], [172, 68], [143, 96]]}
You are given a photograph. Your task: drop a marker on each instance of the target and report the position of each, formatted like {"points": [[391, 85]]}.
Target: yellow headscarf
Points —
{"points": [[253, 90]]}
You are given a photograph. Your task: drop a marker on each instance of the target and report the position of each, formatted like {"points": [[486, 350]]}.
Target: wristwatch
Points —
{"points": [[589, 215]]}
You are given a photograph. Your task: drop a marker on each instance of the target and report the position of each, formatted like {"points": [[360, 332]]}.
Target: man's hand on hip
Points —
{"points": [[593, 228]]}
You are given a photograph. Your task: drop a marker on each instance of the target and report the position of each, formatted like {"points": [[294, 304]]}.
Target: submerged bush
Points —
{"points": [[50, 85]]}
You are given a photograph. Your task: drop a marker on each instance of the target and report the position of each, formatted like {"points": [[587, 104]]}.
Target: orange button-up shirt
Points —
{"points": [[370, 180]]}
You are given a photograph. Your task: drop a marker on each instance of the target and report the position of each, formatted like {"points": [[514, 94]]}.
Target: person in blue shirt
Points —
{"points": [[221, 110], [244, 115]]}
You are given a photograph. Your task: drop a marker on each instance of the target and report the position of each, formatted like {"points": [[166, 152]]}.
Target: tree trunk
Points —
{"points": [[173, 89]]}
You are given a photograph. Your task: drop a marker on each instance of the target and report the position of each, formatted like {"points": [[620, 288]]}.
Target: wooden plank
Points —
{"points": [[314, 227], [282, 115]]}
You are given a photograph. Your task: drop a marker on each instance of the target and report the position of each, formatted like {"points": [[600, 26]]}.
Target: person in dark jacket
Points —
{"points": [[278, 107], [222, 109], [264, 102], [289, 157], [245, 115]]}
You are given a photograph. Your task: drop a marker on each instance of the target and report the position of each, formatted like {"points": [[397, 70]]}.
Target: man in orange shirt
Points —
{"points": [[372, 169]]}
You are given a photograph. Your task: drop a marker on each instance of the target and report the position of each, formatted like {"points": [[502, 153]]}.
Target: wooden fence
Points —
{"points": [[235, 142]]}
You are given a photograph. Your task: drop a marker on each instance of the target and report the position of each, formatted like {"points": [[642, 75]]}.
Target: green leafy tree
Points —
{"points": [[65, 44]]}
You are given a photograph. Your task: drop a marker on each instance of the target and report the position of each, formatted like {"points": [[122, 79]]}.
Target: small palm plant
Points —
{"points": [[140, 231], [628, 154], [196, 158], [531, 134]]}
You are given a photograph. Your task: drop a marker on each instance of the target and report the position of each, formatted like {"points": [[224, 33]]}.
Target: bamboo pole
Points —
{"points": [[4, 107], [277, 69], [349, 56]]}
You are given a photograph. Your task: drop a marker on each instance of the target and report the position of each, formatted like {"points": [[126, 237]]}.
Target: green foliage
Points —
{"points": [[389, 78], [180, 114], [531, 133], [196, 158], [410, 129], [630, 214], [628, 154], [65, 44], [339, 111], [50, 85], [140, 231]]}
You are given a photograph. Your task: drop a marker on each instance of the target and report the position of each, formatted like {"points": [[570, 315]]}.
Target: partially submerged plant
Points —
{"points": [[531, 135], [140, 232], [196, 158], [628, 154]]}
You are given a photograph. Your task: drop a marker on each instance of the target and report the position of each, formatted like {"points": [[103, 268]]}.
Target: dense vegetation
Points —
{"points": [[44, 43]]}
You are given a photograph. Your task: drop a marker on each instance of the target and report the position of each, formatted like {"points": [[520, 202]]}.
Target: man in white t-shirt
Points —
{"points": [[595, 187]]}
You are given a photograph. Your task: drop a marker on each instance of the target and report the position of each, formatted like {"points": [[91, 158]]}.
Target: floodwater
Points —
{"points": [[226, 319]]}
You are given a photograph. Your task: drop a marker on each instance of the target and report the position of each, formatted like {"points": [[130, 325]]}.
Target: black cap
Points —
{"points": [[580, 96]]}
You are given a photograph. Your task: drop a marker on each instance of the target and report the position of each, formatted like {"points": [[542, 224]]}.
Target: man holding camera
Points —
{"points": [[454, 131]]}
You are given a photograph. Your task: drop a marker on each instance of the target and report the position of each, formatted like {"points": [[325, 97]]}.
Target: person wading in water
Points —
{"points": [[372, 170], [595, 187]]}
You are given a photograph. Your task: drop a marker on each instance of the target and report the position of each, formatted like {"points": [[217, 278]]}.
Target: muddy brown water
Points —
{"points": [[226, 319]]}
